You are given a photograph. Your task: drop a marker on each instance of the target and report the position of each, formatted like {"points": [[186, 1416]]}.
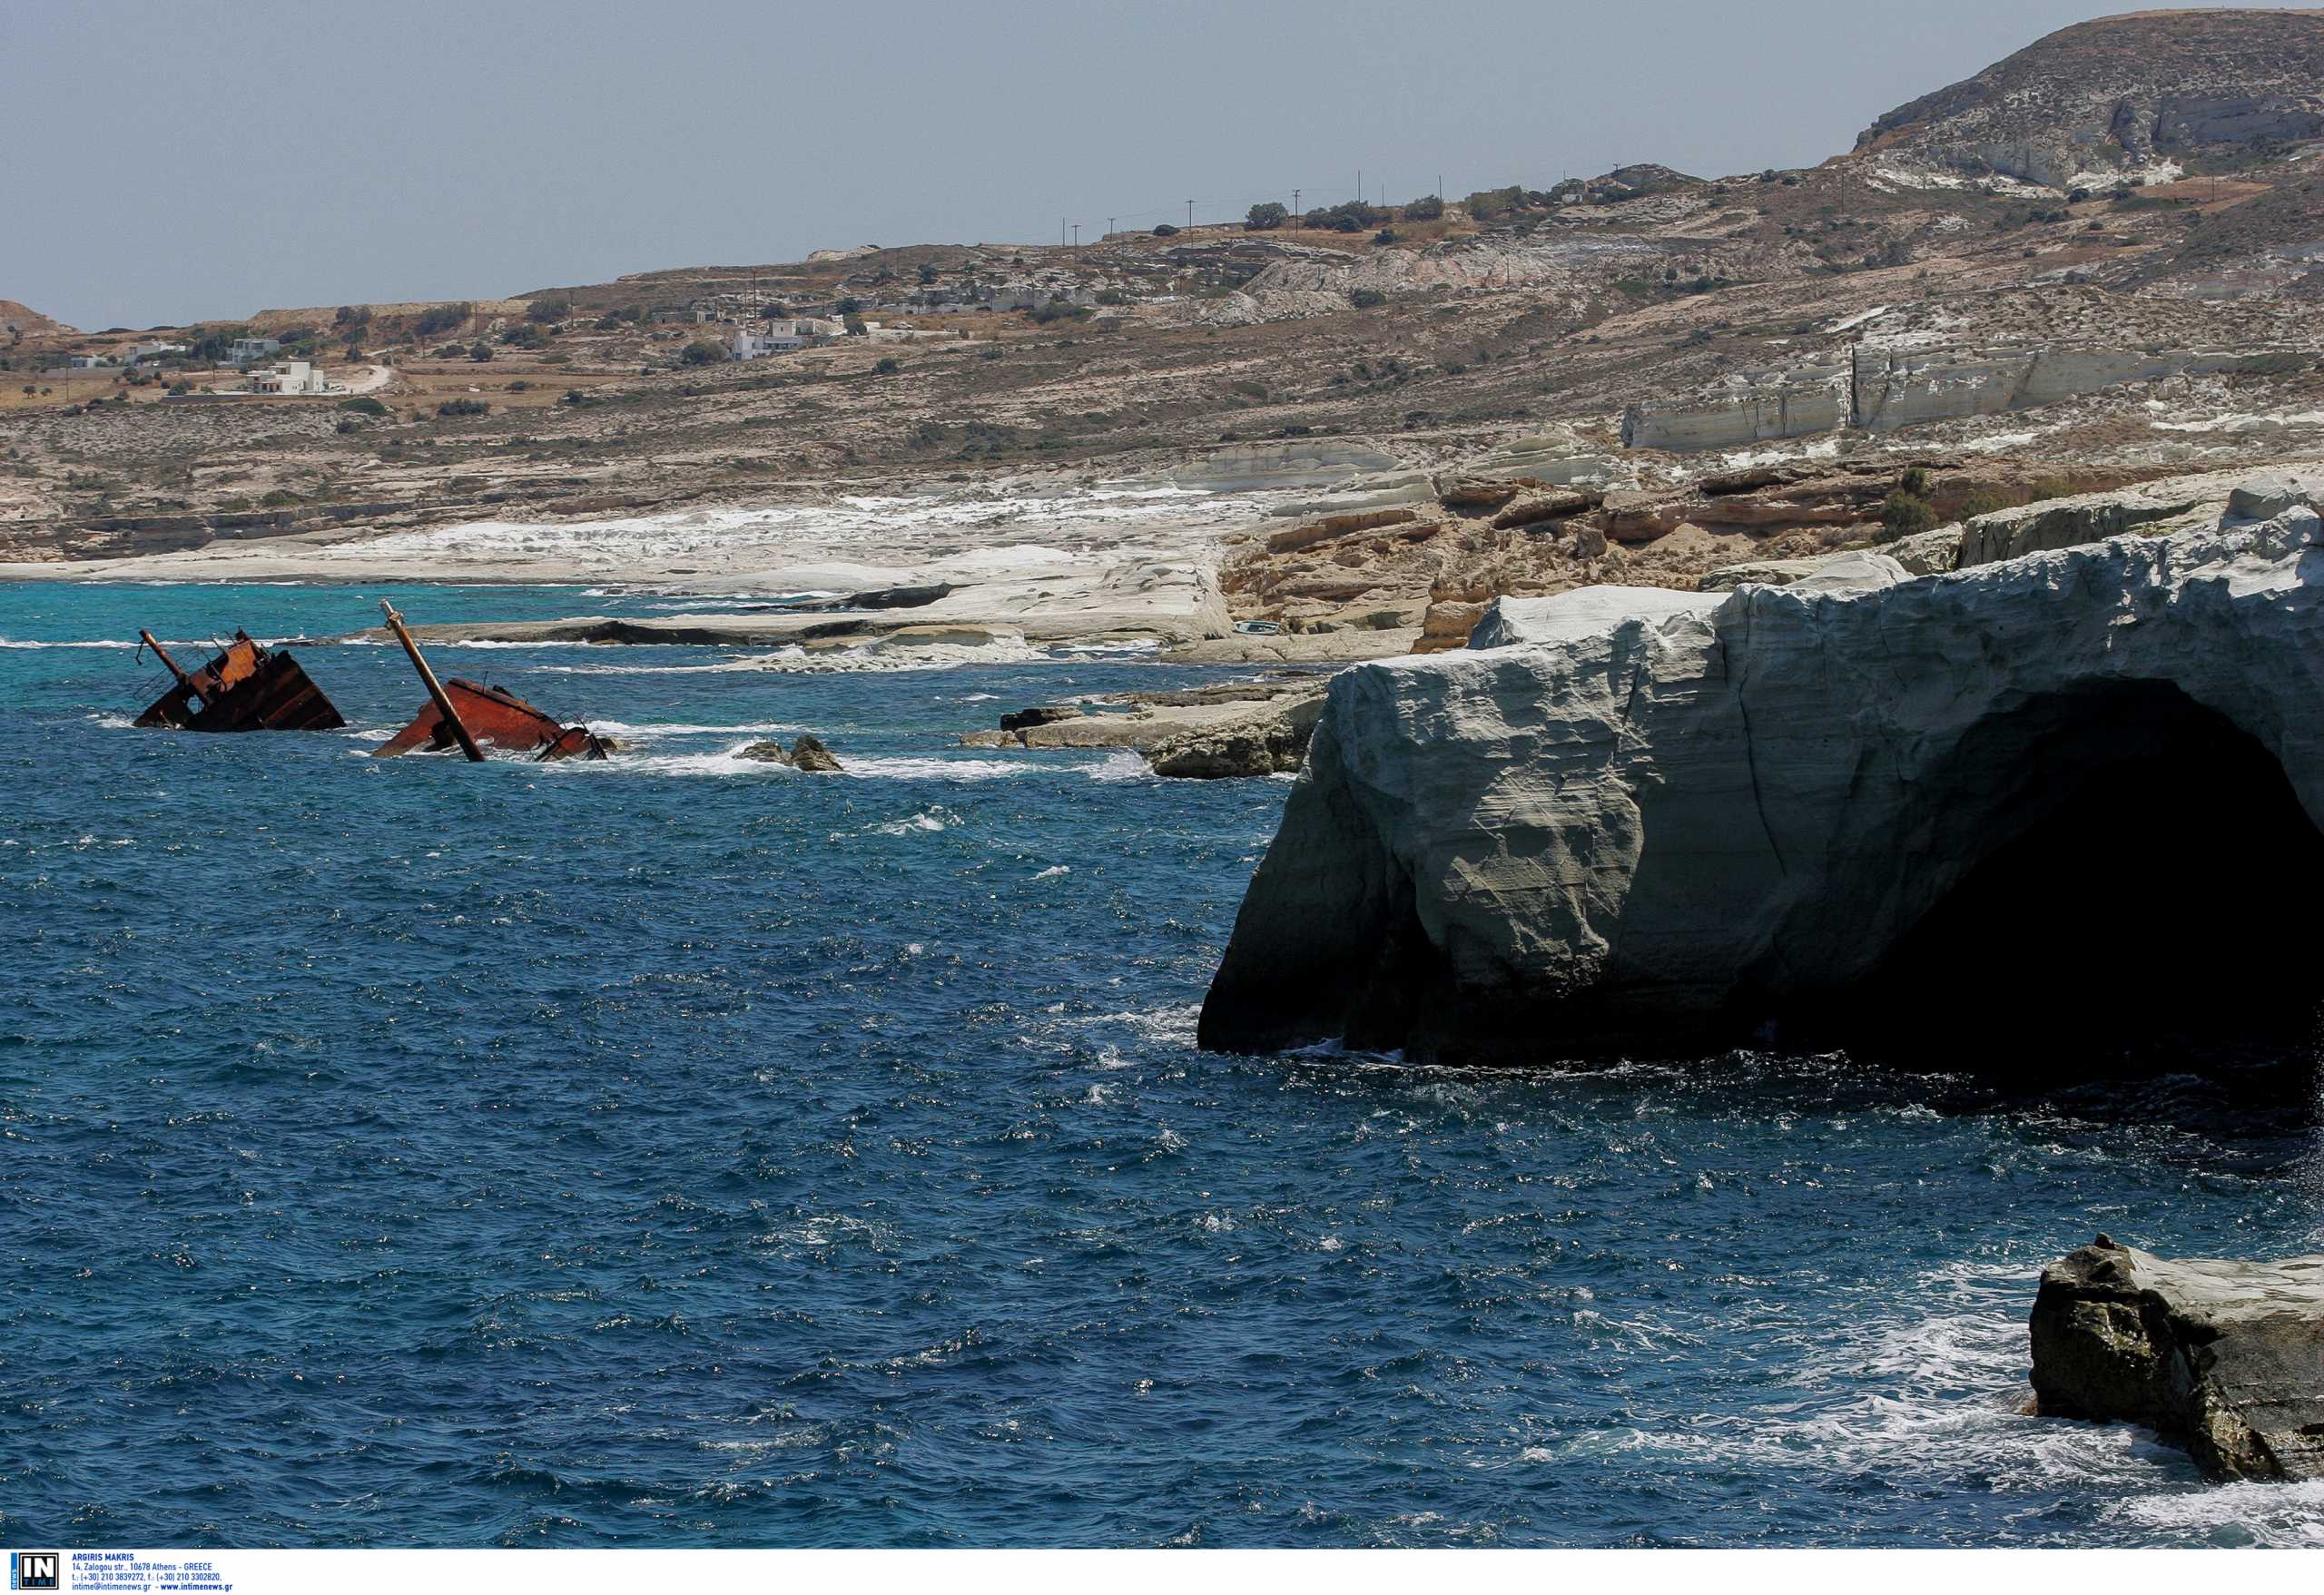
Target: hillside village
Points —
{"points": [[1978, 306]]}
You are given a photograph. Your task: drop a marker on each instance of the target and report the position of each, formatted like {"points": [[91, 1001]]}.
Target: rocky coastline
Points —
{"points": [[1626, 820]]}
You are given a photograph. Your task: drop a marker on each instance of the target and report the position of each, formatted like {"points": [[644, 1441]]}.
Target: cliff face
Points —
{"points": [[1634, 821], [2122, 94]]}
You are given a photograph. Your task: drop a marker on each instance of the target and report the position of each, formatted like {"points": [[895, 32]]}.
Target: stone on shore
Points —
{"points": [[2223, 1358]]}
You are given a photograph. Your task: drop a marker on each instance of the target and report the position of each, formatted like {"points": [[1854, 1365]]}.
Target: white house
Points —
{"points": [[778, 338], [291, 379], [243, 351]]}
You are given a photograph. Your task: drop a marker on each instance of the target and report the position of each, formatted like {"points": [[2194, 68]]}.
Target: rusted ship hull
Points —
{"points": [[248, 688], [495, 718]]}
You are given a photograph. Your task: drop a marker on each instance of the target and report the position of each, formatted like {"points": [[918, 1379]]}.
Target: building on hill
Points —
{"points": [[289, 380], [244, 351], [777, 338]]}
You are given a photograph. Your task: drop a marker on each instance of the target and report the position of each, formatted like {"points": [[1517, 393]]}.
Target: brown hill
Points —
{"points": [[18, 319], [2133, 93]]}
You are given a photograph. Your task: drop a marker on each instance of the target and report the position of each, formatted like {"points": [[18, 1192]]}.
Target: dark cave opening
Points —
{"points": [[2140, 902]]}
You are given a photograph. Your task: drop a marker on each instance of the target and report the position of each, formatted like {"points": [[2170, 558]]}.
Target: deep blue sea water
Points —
{"points": [[680, 1151]]}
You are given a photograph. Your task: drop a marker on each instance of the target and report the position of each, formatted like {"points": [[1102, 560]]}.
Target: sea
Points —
{"points": [[684, 1151]]}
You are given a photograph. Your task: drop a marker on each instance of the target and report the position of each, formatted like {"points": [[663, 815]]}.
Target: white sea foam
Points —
{"points": [[1121, 765], [100, 643], [2248, 1513], [898, 769], [648, 728], [937, 819]]}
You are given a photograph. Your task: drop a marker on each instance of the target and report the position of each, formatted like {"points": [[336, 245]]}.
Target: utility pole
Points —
{"points": [[1295, 205], [1060, 232], [1077, 235], [1359, 185], [1190, 212], [1109, 222]]}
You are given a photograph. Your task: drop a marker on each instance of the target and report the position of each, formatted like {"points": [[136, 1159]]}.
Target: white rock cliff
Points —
{"points": [[1642, 820]]}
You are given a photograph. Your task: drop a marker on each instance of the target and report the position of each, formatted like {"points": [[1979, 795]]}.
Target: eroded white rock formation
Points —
{"points": [[1639, 820]]}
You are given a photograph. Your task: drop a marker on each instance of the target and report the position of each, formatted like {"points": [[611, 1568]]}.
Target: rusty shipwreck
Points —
{"points": [[246, 687], [471, 717]]}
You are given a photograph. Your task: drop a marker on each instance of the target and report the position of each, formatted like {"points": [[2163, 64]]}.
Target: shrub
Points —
{"points": [[547, 312], [699, 353], [452, 407], [1112, 296], [2049, 487], [1056, 309], [1264, 218], [1916, 481], [1367, 299], [1982, 503], [1904, 514], [521, 387], [887, 366], [480, 351], [1386, 235], [1166, 230], [1348, 216], [1427, 208], [440, 318], [354, 318], [364, 405], [279, 498], [526, 335], [850, 306]]}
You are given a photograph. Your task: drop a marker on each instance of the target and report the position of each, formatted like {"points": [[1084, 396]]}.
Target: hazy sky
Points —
{"points": [[168, 160]]}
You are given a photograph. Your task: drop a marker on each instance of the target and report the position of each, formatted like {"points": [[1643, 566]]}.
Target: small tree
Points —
{"points": [[480, 351], [888, 366], [1367, 299], [1166, 230], [1427, 208], [1263, 218], [699, 353], [547, 312], [1904, 514]]}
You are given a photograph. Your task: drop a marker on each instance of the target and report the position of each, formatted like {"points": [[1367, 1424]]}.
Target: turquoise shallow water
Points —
{"points": [[682, 1151]]}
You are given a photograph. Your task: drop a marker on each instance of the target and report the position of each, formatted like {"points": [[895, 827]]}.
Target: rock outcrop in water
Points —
{"points": [[1946, 808], [2226, 1359]]}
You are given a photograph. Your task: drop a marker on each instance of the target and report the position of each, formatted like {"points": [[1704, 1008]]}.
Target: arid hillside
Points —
{"points": [[2100, 258]]}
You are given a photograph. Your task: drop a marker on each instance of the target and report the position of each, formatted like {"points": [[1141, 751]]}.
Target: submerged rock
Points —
{"points": [[2226, 1359], [1945, 809], [1040, 715], [807, 753], [810, 754]]}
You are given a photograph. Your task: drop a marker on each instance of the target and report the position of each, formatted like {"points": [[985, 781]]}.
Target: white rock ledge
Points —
{"points": [[1635, 821]]}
